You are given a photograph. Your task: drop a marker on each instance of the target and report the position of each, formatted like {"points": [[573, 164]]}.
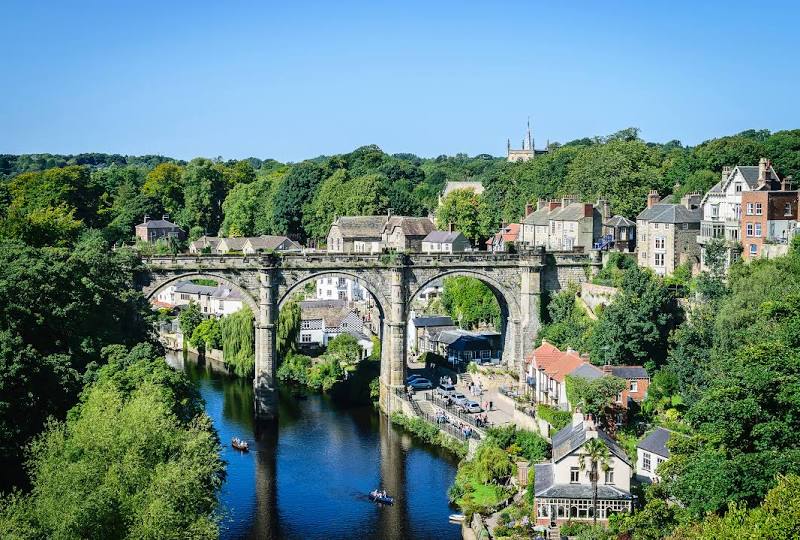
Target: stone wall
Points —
{"points": [[595, 295]]}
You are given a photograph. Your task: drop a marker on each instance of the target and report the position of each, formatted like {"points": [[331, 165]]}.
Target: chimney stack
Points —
{"points": [[146, 218], [541, 203], [528, 209], [607, 369], [726, 172], [165, 217], [449, 226], [652, 198], [552, 205], [763, 171]]}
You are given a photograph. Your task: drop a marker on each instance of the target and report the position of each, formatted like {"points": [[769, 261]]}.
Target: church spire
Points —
{"points": [[530, 136]]}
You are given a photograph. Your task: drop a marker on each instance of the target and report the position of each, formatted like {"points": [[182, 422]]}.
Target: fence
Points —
{"points": [[453, 410], [461, 435]]}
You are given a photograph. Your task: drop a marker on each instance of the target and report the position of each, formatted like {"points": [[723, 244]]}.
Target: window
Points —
{"points": [[610, 476], [737, 211], [660, 242], [659, 259], [655, 225], [787, 209], [574, 475], [305, 338], [757, 232], [738, 187], [758, 208], [749, 229], [714, 211], [305, 325], [646, 461], [753, 249], [659, 461], [634, 386], [685, 226], [749, 209]]}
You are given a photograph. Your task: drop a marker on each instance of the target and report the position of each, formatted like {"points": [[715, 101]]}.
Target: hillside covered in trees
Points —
{"points": [[50, 199]]}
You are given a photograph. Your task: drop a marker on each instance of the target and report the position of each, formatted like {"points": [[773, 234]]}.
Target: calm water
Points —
{"points": [[307, 475]]}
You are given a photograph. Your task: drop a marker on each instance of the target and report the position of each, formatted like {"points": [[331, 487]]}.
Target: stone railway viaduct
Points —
{"points": [[266, 282]]}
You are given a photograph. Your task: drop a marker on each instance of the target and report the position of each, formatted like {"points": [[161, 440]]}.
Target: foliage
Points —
{"points": [[634, 328], [137, 458], [58, 309], [375, 389], [568, 325], [376, 348], [614, 270], [238, 342], [207, 335], [289, 319], [593, 396], [294, 368], [189, 319], [470, 302], [345, 349], [324, 374], [556, 418], [466, 211], [527, 444], [429, 433]]}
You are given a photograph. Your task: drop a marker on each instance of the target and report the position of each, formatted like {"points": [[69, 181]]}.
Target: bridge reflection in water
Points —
{"points": [[307, 475]]}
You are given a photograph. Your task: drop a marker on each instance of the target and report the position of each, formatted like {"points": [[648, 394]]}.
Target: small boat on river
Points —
{"points": [[240, 445], [381, 497], [457, 517]]}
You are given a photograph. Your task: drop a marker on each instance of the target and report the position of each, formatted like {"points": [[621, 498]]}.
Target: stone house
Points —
{"points": [[230, 245], [261, 244], [217, 300], [422, 328], [651, 452], [404, 233], [667, 234], [502, 239], [562, 491], [547, 369], [564, 225], [152, 230], [619, 233], [373, 234], [769, 217], [722, 205], [444, 242], [204, 244], [462, 346]]}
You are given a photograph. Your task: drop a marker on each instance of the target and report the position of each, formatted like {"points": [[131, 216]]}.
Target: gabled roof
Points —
{"points": [[361, 226], [226, 293], [435, 320], [233, 244], [332, 315], [538, 217], [443, 237], [509, 233], [206, 241], [411, 226], [656, 442], [571, 212], [619, 221], [271, 242], [669, 213], [629, 372], [572, 437], [544, 486], [158, 224], [587, 371], [557, 365]]}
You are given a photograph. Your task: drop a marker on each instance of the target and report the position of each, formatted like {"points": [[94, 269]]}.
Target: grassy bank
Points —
{"points": [[429, 433]]}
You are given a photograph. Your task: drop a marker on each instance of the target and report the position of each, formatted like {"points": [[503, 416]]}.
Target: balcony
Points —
{"points": [[712, 229]]}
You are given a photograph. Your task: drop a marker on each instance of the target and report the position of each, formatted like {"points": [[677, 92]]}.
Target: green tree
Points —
{"points": [[207, 335], [595, 456], [238, 341], [345, 349], [292, 195], [204, 190], [289, 319], [469, 301], [189, 319], [165, 185], [463, 209]]}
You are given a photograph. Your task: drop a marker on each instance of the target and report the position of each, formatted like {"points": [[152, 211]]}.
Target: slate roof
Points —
{"points": [[361, 226], [206, 241], [619, 221], [187, 287], [443, 237], [435, 332], [411, 226], [538, 217], [437, 320], [656, 442], [332, 315], [271, 242], [669, 213], [311, 304], [572, 437], [232, 244], [158, 224], [226, 293], [629, 372], [587, 371], [571, 212]]}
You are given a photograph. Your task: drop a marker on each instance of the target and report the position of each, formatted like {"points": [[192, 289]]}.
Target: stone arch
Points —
{"points": [[247, 296], [510, 310], [286, 289]]}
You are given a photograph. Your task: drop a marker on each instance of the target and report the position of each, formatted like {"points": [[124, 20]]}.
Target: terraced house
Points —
{"points": [[667, 234]]}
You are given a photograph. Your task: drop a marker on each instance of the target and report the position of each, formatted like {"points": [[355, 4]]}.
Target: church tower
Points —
{"points": [[526, 152]]}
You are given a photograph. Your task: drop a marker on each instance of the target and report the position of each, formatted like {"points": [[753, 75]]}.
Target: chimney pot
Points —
{"points": [[146, 218], [528, 209], [449, 226], [652, 198], [552, 205]]}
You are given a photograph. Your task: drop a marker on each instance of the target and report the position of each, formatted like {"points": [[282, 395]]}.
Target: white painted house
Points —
{"points": [[651, 452], [340, 288]]}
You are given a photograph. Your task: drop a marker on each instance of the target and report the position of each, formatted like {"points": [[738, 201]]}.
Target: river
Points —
{"points": [[308, 474]]}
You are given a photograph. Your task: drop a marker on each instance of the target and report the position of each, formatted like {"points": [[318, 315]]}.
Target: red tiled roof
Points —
{"points": [[555, 363], [160, 304], [509, 233]]}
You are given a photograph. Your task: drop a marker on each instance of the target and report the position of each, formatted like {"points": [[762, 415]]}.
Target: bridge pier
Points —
{"points": [[265, 356], [393, 353]]}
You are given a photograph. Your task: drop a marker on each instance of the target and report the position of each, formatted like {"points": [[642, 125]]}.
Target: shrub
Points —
{"points": [[558, 419]]}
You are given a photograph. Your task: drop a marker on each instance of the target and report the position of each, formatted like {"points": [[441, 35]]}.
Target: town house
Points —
{"points": [[667, 234]]}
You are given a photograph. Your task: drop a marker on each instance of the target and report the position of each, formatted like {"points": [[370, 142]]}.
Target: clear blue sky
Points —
{"points": [[292, 80]]}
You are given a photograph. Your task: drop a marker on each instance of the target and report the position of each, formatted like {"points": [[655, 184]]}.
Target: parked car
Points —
{"points": [[421, 384], [458, 399], [472, 407], [445, 390], [412, 378]]}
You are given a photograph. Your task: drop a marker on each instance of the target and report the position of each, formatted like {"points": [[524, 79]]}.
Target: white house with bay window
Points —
{"points": [[563, 491]]}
